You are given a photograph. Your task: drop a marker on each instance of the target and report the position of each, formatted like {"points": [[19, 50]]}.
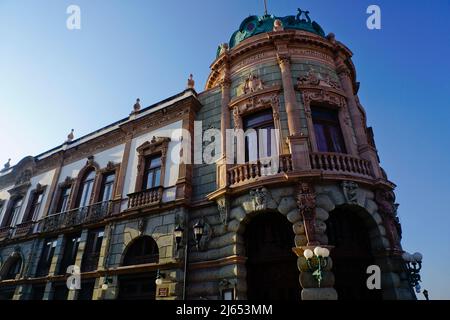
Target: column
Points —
{"points": [[365, 150], [222, 167], [298, 143], [73, 294]]}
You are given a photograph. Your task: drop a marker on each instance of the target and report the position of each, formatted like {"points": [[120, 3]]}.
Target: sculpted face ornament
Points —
{"points": [[253, 84], [350, 190], [260, 198]]}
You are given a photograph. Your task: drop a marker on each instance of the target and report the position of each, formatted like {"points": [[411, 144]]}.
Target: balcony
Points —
{"points": [[252, 171], [145, 198], [85, 215], [336, 163], [5, 233], [23, 229]]}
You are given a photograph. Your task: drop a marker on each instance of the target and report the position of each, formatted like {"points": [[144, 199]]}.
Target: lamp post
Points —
{"points": [[413, 264], [317, 260]]}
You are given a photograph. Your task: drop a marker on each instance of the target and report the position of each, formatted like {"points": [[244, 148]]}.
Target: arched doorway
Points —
{"points": [[272, 272], [348, 232], [139, 286]]}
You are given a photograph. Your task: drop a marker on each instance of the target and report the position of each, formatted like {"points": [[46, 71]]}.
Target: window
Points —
{"points": [[86, 291], [228, 294], [328, 131], [259, 143], [13, 212], [70, 252], [61, 292], [85, 192], [92, 250], [141, 251], [14, 269], [63, 202], [33, 212], [107, 187], [152, 173], [46, 257]]}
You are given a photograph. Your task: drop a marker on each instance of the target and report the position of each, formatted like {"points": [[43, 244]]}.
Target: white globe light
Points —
{"points": [[104, 287], [318, 251], [159, 281], [325, 252], [418, 256], [406, 256], [308, 254]]}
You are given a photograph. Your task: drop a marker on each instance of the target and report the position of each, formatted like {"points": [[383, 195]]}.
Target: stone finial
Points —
{"points": [[331, 37], [7, 165], [223, 48], [278, 25], [70, 136], [191, 82], [137, 105]]}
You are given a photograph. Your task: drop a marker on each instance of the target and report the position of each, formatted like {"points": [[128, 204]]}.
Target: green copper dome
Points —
{"points": [[254, 25]]}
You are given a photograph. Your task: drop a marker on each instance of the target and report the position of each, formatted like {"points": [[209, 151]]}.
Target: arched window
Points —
{"points": [[86, 187], [12, 268], [143, 250]]}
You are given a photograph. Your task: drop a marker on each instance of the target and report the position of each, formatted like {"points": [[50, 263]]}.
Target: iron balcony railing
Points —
{"points": [[79, 216]]}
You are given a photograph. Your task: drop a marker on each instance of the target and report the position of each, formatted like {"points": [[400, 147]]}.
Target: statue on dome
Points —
{"points": [[303, 13]]}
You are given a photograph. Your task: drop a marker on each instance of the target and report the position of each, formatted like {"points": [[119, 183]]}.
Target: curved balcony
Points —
{"points": [[252, 171], [337, 163]]}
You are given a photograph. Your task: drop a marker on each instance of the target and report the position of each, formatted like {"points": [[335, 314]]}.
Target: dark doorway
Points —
{"points": [[272, 272], [137, 286], [140, 286], [352, 254]]}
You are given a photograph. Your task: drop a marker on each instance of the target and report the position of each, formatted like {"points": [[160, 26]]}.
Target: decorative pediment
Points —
{"points": [[153, 144], [24, 177], [323, 96]]}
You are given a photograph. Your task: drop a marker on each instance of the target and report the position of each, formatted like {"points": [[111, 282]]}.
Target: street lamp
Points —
{"points": [[159, 278], [199, 228], [317, 260], [413, 267], [178, 233]]}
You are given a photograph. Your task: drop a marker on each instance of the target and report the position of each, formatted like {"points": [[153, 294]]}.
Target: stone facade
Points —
{"points": [[289, 72]]}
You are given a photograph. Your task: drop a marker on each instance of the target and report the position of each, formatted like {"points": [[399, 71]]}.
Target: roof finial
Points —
{"points": [[70, 136], [191, 82], [8, 164], [265, 8], [137, 105]]}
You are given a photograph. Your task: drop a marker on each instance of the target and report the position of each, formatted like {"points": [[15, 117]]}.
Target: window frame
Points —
{"points": [[326, 125]]}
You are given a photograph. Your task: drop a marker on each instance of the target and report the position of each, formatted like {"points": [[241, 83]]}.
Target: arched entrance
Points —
{"points": [[139, 286], [348, 232], [272, 272]]}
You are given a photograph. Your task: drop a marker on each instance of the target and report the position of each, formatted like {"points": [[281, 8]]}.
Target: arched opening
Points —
{"points": [[272, 272], [348, 232], [11, 267], [140, 286], [86, 188]]}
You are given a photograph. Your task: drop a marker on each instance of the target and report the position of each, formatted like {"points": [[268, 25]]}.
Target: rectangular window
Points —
{"points": [[70, 252], [46, 257], [259, 143], [152, 173], [14, 211], [60, 292], [107, 187], [63, 202], [92, 250], [38, 292], [86, 291], [35, 206], [328, 131]]}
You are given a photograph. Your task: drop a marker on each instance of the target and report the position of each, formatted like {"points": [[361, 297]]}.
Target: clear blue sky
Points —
{"points": [[53, 79]]}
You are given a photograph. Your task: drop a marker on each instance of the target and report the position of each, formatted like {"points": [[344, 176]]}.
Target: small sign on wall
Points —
{"points": [[163, 291]]}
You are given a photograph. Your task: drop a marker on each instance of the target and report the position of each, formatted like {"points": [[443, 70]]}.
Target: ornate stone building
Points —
{"points": [[139, 223]]}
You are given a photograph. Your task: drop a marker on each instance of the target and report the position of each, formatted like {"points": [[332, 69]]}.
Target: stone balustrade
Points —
{"points": [[340, 164], [145, 198]]}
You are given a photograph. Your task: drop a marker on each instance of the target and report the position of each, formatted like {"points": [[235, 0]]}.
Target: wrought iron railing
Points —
{"points": [[79, 216]]}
